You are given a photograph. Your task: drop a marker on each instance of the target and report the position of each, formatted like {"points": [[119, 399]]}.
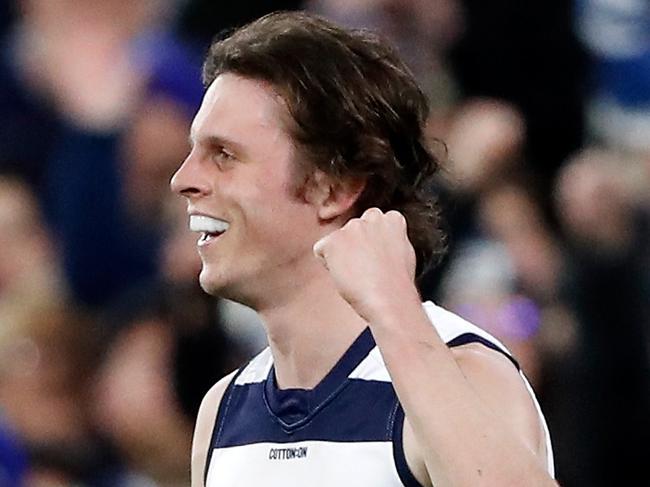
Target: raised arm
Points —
{"points": [[470, 419]]}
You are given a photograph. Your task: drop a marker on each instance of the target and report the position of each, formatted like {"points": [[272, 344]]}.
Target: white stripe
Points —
{"points": [[550, 461], [371, 368], [257, 370], [326, 464], [449, 326]]}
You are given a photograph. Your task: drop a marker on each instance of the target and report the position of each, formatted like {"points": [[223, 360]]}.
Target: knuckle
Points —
{"points": [[352, 224], [371, 213], [396, 216], [319, 246]]}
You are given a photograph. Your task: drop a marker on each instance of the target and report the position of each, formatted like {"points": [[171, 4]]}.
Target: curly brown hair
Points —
{"points": [[356, 111]]}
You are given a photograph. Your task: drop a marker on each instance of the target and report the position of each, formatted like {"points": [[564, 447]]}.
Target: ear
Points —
{"points": [[331, 197]]}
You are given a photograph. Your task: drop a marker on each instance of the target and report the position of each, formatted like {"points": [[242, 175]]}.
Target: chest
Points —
{"points": [[346, 438]]}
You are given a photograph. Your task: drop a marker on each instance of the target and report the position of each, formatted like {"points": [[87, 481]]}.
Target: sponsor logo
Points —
{"points": [[287, 453]]}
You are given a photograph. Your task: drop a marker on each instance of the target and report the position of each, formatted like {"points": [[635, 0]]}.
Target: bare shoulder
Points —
{"points": [[204, 426], [502, 388]]}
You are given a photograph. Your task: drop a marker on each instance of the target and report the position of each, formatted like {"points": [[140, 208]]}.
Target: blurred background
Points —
{"points": [[107, 344]]}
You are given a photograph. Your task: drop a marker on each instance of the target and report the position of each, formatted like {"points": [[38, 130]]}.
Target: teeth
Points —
{"points": [[202, 223]]}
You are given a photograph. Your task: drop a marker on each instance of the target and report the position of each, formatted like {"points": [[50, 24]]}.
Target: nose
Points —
{"points": [[187, 180]]}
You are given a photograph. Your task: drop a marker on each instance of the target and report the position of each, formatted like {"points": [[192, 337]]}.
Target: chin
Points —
{"points": [[210, 283], [216, 285]]}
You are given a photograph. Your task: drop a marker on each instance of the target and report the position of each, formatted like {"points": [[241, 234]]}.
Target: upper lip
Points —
{"points": [[200, 213]]}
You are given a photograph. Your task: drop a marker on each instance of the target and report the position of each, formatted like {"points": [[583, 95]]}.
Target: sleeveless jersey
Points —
{"points": [[345, 431]]}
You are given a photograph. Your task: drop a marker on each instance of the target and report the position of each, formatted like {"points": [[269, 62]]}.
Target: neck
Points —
{"points": [[309, 330]]}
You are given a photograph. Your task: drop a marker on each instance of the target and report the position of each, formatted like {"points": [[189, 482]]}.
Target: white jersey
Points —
{"points": [[345, 431]]}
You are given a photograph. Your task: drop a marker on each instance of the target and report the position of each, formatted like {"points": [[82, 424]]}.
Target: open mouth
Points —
{"points": [[207, 237], [210, 228]]}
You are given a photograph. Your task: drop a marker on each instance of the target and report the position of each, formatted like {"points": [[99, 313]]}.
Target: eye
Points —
{"points": [[222, 155]]}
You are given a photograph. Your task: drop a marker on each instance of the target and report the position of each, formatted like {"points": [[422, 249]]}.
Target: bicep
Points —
{"points": [[503, 390], [203, 429]]}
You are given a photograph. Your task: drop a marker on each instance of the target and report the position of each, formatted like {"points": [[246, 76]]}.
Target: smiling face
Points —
{"points": [[239, 182]]}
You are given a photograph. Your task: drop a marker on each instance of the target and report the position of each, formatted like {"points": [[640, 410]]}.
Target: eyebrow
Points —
{"points": [[217, 140]]}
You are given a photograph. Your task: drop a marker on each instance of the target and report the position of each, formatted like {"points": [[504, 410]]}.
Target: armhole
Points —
{"points": [[403, 470], [399, 457], [218, 423], [466, 338]]}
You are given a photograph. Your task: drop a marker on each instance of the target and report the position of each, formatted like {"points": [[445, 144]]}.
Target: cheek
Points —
{"points": [[268, 197], [269, 208], [283, 225]]}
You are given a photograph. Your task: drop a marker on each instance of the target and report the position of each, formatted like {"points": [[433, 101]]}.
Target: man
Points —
{"points": [[308, 180]]}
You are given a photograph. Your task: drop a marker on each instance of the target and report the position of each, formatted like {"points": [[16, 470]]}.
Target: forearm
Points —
{"points": [[449, 405], [462, 441]]}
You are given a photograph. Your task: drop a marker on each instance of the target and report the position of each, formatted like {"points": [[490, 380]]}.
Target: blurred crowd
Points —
{"points": [[107, 344]]}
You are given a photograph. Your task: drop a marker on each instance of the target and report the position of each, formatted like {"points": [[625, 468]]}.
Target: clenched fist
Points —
{"points": [[371, 261]]}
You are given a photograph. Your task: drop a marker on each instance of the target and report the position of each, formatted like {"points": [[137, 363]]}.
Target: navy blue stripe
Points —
{"points": [[218, 423], [295, 406], [403, 470], [466, 338], [361, 412]]}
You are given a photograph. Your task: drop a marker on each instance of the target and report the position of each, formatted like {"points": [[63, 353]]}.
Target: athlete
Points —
{"points": [[308, 181]]}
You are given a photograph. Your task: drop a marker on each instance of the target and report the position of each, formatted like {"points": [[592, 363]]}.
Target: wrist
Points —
{"points": [[394, 309]]}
